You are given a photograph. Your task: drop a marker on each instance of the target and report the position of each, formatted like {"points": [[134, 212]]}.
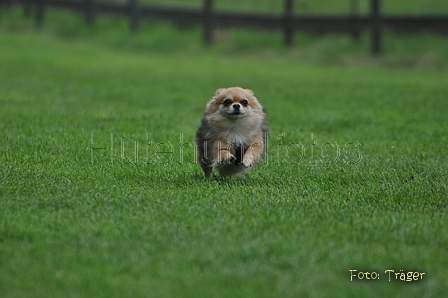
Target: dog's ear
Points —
{"points": [[250, 91], [219, 91]]}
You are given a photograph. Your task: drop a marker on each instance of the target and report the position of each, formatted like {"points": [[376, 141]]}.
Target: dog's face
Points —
{"points": [[234, 103]]}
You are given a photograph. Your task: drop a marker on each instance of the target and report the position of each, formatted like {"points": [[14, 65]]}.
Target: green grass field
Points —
{"points": [[320, 6], [356, 178]]}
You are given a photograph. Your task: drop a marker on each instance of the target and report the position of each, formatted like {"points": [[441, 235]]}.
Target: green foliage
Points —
{"points": [[128, 221]]}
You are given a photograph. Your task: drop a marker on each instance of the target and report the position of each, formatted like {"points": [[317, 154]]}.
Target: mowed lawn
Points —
{"points": [[100, 195]]}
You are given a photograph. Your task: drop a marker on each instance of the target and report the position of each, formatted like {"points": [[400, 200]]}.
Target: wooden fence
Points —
{"points": [[210, 18]]}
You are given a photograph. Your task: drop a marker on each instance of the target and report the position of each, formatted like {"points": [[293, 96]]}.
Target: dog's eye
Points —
{"points": [[244, 102], [227, 102]]}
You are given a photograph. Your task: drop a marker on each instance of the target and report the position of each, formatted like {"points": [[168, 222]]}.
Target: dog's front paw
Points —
{"points": [[230, 159], [248, 161], [225, 158]]}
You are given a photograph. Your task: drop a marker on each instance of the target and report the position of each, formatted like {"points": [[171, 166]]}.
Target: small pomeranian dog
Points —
{"points": [[233, 133]]}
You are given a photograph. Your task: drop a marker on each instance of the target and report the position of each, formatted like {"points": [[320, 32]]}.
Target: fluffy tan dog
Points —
{"points": [[232, 135]]}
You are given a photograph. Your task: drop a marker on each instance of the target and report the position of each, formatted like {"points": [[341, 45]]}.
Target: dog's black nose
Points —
{"points": [[236, 106]]}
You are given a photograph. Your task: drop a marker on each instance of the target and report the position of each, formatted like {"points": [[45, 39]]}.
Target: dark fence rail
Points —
{"points": [[210, 19]]}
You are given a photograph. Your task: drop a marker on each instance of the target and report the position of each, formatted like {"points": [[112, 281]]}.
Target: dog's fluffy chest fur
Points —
{"points": [[234, 131]]}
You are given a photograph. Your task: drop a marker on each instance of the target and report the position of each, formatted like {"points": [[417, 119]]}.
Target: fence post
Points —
{"points": [[208, 22], [354, 13], [376, 26], [288, 22], [40, 12], [89, 7], [134, 15], [27, 8]]}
